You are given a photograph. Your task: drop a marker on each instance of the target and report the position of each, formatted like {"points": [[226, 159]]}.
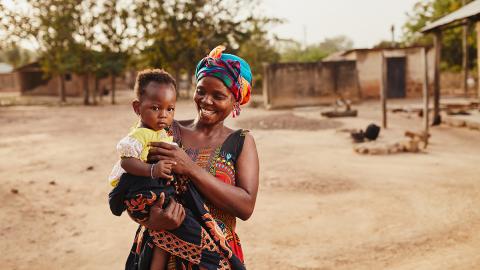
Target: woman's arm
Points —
{"points": [[169, 218], [237, 200]]}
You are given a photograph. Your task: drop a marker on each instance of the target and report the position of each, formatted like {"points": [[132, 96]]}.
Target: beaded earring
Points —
{"points": [[236, 109]]}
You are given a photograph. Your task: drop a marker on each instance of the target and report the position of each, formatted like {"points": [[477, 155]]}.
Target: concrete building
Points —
{"points": [[354, 74], [404, 70]]}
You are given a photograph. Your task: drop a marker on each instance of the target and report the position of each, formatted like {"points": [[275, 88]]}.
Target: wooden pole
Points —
{"points": [[465, 59], [425, 95], [357, 82], [266, 85], [437, 41], [383, 91], [477, 24]]}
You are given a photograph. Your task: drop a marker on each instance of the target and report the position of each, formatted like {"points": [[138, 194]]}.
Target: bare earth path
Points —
{"points": [[320, 206]]}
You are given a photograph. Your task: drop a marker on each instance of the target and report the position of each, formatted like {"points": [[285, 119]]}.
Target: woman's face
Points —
{"points": [[213, 99]]}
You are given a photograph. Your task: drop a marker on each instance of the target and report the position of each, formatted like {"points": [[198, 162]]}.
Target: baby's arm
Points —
{"points": [[135, 166]]}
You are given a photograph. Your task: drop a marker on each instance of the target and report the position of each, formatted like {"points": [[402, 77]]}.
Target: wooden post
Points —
{"points": [[477, 24], [465, 58], [266, 85], [437, 41], [425, 94], [383, 91], [357, 83]]}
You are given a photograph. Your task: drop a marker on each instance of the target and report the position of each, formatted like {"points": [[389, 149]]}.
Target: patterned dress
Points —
{"points": [[220, 162], [220, 236]]}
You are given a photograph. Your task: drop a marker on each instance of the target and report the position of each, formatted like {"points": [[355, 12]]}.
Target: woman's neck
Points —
{"points": [[207, 130]]}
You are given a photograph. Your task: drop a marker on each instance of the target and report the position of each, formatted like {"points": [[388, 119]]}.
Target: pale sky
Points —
{"points": [[366, 22]]}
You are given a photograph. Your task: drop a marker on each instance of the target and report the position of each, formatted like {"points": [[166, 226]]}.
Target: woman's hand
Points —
{"points": [[165, 151], [169, 218]]}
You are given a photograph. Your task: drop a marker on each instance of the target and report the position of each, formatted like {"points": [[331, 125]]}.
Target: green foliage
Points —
{"points": [[258, 50], [16, 55], [107, 37], [316, 52], [179, 33], [425, 12]]}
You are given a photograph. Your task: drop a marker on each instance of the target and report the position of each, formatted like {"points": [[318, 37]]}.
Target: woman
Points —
{"points": [[220, 162]]}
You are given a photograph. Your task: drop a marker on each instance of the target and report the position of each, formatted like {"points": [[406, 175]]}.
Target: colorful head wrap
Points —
{"points": [[232, 70]]}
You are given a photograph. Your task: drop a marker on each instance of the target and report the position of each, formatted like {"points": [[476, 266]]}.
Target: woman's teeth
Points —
{"points": [[206, 112]]}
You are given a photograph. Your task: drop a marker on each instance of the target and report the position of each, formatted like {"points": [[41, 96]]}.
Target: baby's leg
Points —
{"points": [[159, 259]]}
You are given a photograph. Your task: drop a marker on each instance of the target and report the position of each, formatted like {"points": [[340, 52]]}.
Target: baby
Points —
{"points": [[155, 104]]}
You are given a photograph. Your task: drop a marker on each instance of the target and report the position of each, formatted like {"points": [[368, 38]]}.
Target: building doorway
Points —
{"points": [[396, 77]]}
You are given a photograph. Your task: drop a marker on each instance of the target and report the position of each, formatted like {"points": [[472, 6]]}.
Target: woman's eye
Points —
{"points": [[219, 97], [200, 91]]}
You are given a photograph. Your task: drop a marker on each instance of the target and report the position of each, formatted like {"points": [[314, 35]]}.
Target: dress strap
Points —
{"points": [[233, 145]]}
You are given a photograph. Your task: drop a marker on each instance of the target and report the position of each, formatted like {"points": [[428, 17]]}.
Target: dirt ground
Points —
{"points": [[320, 205]]}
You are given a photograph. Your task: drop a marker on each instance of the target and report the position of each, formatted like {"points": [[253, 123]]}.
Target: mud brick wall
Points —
{"points": [[308, 84], [7, 82]]}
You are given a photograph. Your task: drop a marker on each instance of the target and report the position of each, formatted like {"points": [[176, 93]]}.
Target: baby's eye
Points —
{"points": [[155, 108], [171, 109]]}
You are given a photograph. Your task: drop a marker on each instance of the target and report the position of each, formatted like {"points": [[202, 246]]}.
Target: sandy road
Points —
{"points": [[320, 206]]}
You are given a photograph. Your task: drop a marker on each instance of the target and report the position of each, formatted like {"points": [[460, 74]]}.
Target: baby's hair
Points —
{"points": [[146, 76]]}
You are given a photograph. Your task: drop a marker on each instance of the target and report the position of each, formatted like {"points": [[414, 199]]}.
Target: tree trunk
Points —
{"points": [[63, 96], [190, 82], [86, 90], [177, 80], [112, 83], [95, 91]]}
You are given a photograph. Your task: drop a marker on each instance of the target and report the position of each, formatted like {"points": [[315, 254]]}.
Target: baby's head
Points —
{"points": [[155, 90]]}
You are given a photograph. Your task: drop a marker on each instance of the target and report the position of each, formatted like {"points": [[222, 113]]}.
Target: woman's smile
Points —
{"points": [[206, 112]]}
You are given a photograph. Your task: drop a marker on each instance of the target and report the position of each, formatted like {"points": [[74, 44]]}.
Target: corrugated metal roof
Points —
{"points": [[469, 10]]}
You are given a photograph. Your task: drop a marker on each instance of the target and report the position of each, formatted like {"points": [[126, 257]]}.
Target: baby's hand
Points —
{"points": [[163, 169]]}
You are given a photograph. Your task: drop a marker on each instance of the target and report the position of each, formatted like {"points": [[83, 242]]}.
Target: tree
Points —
{"points": [[117, 39], [424, 13], [258, 50], [16, 55], [50, 24], [179, 33], [316, 52], [85, 19]]}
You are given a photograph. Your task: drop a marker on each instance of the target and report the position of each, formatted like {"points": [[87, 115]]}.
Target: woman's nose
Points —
{"points": [[207, 100]]}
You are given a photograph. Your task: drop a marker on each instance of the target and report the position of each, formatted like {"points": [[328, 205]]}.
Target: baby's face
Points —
{"points": [[157, 106]]}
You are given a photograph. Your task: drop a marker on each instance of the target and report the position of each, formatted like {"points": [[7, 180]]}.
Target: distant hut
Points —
{"points": [[31, 80], [7, 78], [404, 72]]}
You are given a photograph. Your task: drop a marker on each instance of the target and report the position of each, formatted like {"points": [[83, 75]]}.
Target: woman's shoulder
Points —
{"points": [[183, 123], [179, 128], [235, 141]]}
